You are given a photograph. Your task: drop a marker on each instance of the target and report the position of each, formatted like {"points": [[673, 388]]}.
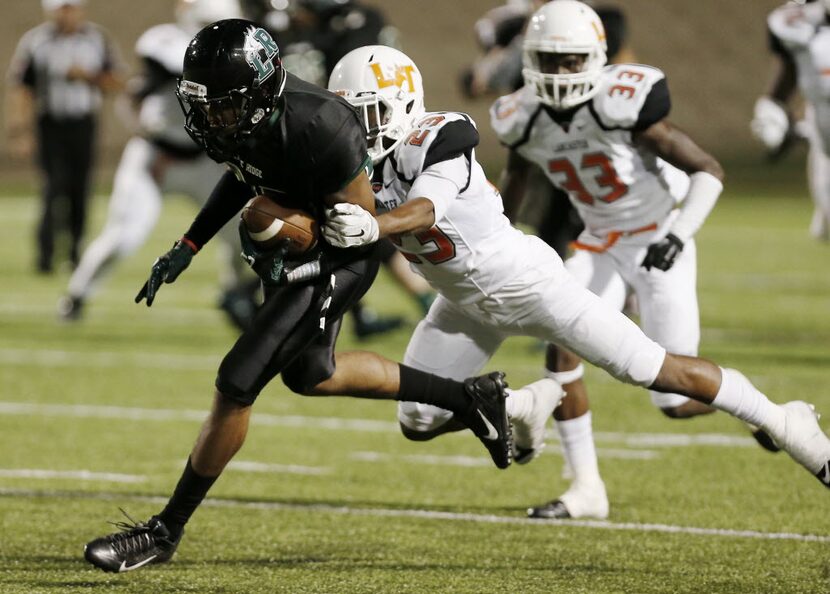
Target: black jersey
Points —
{"points": [[312, 146]]}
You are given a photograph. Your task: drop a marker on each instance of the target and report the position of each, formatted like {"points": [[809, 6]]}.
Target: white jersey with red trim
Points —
{"points": [[614, 184], [803, 32], [472, 250]]}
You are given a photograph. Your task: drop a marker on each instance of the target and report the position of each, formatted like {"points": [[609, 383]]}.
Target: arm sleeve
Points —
{"points": [[703, 193], [442, 183], [656, 106], [227, 199]]}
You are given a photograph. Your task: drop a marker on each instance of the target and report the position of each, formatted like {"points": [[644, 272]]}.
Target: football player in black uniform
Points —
{"points": [[288, 139]]}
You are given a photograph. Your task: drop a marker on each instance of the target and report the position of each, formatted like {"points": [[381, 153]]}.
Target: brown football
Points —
{"points": [[269, 223]]}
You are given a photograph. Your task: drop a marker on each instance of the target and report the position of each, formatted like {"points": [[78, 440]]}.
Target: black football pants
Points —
{"points": [[65, 151], [286, 335]]}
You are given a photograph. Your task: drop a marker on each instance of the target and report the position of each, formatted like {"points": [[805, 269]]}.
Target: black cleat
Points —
{"points": [[552, 510], [488, 417], [135, 546]]}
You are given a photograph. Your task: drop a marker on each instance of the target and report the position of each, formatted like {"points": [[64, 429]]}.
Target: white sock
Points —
{"points": [[738, 397], [519, 403], [578, 448]]}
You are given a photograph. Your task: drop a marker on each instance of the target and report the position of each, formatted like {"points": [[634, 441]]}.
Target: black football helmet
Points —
{"points": [[231, 80]]}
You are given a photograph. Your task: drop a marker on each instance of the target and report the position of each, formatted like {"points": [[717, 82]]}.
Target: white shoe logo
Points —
{"points": [[491, 430], [125, 567]]}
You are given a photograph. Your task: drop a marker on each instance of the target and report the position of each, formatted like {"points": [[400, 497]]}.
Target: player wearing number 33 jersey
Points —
{"points": [[600, 134]]}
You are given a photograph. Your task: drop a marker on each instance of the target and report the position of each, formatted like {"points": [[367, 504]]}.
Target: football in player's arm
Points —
{"points": [[643, 189], [289, 139]]}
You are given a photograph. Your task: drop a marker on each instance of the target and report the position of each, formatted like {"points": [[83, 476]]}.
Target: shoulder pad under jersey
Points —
{"points": [[511, 116], [623, 91], [165, 44], [795, 25], [439, 136]]}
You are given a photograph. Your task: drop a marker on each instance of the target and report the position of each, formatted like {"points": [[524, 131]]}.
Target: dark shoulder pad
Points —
{"points": [[656, 107], [454, 139]]}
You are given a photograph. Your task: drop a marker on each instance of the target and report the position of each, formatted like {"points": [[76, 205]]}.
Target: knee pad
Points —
{"points": [[566, 377]]}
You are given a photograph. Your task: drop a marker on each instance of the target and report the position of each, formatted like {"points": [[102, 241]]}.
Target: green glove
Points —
{"points": [[269, 265], [167, 268]]}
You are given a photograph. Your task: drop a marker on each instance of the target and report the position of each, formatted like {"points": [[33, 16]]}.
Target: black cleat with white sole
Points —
{"points": [[136, 545], [488, 416]]}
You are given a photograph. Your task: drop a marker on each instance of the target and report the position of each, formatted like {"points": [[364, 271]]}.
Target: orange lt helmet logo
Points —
{"points": [[401, 74]]}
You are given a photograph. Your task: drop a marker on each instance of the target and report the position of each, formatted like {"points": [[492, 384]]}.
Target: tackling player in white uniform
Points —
{"points": [[800, 40], [161, 159], [494, 281], [600, 134]]}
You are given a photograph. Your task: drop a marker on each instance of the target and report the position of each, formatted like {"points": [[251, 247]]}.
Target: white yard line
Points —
{"points": [[78, 359], [435, 515], [637, 440], [75, 475], [260, 467]]}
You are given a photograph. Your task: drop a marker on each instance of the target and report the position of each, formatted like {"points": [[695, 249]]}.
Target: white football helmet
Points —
{"points": [[386, 86], [564, 27], [193, 15]]}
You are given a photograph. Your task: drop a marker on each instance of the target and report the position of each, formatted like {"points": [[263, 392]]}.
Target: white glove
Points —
{"points": [[349, 225], [770, 123]]}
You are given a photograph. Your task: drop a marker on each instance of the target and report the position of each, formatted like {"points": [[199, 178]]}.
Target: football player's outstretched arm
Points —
{"points": [[705, 185], [513, 184], [771, 119]]}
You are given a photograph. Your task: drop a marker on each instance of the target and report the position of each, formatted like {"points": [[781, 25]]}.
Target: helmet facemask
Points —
{"points": [[564, 90], [559, 35], [386, 122]]}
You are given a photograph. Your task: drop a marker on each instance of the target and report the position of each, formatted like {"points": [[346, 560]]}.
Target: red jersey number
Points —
{"points": [[444, 247], [606, 178]]}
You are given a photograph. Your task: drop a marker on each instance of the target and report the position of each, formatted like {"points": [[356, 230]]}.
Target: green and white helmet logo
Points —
{"points": [[258, 41]]}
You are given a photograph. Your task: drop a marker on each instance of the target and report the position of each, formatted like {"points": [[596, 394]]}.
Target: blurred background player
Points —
{"points": [[56, 79], [799, 36], [161, 158], [601, 134], [313, 36]]}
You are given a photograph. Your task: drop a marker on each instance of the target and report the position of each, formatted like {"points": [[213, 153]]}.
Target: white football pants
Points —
{"points": [[667, 299], [545, 302], [135, 206]]}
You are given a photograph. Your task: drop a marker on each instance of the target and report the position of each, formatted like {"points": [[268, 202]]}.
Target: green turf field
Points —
{"points": [[327, 497]]}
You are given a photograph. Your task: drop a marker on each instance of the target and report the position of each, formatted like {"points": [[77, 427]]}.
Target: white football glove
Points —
{"points": [[770, 123], [349, 225]]}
